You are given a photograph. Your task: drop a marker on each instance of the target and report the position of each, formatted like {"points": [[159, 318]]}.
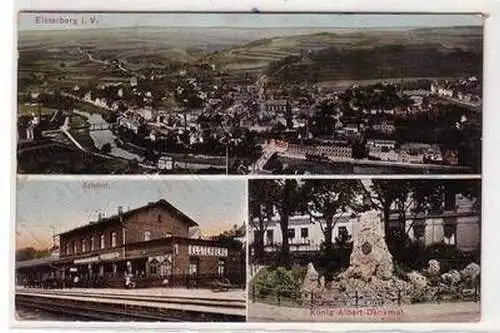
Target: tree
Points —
{"points": [[261, 211], [285, 197], [29, 253], [383, 194], [327, 201], [343, 243], [323, 121]]}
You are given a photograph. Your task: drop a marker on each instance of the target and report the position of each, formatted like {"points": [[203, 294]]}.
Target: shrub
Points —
{"points": [[415, 255], [449, 256], [299, 273], [271, 280], [330, 261]]}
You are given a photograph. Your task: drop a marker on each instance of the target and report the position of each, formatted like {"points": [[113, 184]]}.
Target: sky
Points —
{"points": [[34, 21], [216, 205]]}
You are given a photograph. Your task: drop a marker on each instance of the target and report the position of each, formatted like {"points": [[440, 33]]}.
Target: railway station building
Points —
{"points": [[153, 243]]}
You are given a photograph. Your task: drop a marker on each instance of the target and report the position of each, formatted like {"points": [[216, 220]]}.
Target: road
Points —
{"points": [[471, 106], [120, 66]]}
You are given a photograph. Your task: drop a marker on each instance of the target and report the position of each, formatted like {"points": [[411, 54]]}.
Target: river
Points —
{"points": [[102, 137]]}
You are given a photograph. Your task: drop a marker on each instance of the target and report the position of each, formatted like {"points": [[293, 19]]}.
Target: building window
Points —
{"points": [[74, 247], [304, 232], [419, 229], [450, 230], [103, 242], [113, 239], [220, 267], [68, 249], [269, 236], [343, 233], [84, 245], [92, 243], [291, 233], [159, 218], [147, 236]]}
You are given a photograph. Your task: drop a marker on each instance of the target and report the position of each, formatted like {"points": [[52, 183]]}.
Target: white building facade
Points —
{"points": [[459, 227]]}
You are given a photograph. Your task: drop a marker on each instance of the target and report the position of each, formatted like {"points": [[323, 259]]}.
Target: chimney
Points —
{"points": [[120, 210], [99, 216]]}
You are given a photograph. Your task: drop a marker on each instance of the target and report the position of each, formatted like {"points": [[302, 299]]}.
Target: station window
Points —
{"points": [[154, 267], [255, 234], [194, 264], [75, 250], [291, 233], [68, 249], [103, 242], [147, 236], [92, 243], [84, 245], [220, 267], [113, 239], [304, 232]]}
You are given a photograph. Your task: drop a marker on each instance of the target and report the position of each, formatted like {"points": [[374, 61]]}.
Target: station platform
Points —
{"points": [[234, 295], [190, 303]]}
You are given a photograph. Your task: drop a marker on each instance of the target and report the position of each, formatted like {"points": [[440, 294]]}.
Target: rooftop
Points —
{"points": [[160, 203]]}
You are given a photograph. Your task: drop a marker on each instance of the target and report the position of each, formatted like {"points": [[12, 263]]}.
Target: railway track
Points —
{"points": [[107, 307]]}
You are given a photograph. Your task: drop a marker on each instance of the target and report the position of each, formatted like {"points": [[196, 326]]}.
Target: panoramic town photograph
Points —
{"points": [[130, 250], [370, 250], [121, 93]]}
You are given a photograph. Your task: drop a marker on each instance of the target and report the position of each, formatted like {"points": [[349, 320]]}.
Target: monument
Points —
{"points": [[371, 280], [370, 276], [370, 256]]}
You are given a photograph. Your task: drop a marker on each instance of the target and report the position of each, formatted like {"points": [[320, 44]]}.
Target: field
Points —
{"points": [[28, 110], [59, 58]]}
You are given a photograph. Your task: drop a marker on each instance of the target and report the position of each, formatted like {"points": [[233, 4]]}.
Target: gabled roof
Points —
{"points": [[115, 218]]}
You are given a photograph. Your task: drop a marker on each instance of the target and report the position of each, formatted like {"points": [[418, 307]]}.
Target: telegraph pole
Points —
{"points": [[53, 228]]}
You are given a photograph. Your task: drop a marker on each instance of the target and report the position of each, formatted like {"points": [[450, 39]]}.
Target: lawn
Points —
{"points": [[26, 110]]}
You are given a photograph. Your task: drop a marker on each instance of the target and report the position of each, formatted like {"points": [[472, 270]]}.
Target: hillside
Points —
{"points": [[331, 54], [363, 54]]}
